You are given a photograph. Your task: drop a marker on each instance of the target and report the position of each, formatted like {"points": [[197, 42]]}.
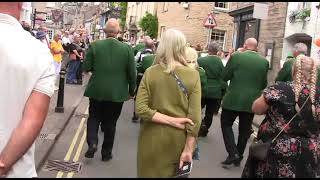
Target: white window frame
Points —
{"points": [[227, 6], [162, 30], [48, 17], [52, 33], [224, 37], [165, 7]]}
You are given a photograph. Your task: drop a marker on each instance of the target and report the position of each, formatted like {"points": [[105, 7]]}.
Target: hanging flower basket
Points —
{"points": [[303, 15]]}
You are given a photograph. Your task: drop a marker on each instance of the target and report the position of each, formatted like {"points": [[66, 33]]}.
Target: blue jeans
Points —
{"points": [[72, 70]]}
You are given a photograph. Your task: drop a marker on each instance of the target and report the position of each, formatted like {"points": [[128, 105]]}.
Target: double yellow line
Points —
{"points": [[73, 144]]}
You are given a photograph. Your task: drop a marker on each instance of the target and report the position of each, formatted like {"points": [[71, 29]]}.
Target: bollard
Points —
{"points": [[59, 107]]}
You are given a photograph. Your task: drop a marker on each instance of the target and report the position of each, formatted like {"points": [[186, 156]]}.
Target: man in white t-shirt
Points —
{"points": [[28, 75]]}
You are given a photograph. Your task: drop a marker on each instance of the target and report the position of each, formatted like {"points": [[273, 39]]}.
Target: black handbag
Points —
{"points": [[259, 149]]}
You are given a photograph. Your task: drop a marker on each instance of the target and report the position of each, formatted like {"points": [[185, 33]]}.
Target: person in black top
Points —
{"points": [[76, 55]]}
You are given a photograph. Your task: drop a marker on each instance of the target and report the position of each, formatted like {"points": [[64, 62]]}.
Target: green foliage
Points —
{"points": [[149, 24], [123, 14], [304, 13], [299, 14]]}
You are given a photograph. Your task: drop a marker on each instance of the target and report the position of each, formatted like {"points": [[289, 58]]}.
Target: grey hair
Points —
{"points": [[213, 47], [301, 48]]}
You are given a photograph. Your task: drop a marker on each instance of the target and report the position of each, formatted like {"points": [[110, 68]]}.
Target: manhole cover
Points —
{"points": [[47, 136], [82, 115], [64, 166]]}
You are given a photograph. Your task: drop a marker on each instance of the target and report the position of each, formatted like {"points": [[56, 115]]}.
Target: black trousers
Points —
{"points": [[79, 72], [245, 120], [212, 107], [107, 113]]}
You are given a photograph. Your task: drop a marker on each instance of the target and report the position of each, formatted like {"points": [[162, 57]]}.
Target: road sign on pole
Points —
{"points": [[209, 21]]}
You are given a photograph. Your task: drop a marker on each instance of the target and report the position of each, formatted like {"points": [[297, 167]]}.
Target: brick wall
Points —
{"points": [[273, 29], [190, 21]]}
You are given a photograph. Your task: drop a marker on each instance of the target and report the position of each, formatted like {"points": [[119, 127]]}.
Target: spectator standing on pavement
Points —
{"points": [[71, 34], [285, 72], [295, 153], [213, 67], [57, 52], [113, 81], [41, 35], [75, 58], [170, 119], [28, 80], [149, 48], [247, 72]]}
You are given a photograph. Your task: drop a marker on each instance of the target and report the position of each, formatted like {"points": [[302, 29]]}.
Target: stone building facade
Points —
{"points": [[188, 18], [269, 32], [135, 12]]}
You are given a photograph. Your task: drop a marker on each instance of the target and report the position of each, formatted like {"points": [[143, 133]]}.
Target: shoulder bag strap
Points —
{"points": [[298, 113], [180, 84]]}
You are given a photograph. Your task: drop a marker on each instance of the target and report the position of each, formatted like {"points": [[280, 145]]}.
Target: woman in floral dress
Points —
{"points": [[296, 152]]}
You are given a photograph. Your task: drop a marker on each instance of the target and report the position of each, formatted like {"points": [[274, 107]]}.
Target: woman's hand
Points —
{"points": [[180, 123], [186, 156]]}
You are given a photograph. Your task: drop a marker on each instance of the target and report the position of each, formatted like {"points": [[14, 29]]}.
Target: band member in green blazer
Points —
{"points": [[213, 67], [142, 66], [285, 74], [247, 72], [113, 81]]}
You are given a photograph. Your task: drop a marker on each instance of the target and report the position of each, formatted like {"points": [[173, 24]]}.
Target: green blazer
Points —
{"points": [[142, 66], [213, 67], [285, 74], [204, 81], [113, 70], [146, 62], [247, 72], [138, 47]]}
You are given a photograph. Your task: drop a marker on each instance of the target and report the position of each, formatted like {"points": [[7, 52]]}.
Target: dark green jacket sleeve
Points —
{"points": [[204, 81], [88, 62], [132, 73], [285, 73]]}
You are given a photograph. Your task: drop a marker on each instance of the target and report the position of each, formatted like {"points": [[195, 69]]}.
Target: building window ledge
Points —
{"points": [[218, 10]]}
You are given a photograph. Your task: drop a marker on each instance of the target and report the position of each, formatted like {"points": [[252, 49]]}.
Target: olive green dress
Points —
{"points": [[160, 146]]}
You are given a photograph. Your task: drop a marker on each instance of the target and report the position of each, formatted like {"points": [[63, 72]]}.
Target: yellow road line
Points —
{"points": [[77, 155], [73, 143]]}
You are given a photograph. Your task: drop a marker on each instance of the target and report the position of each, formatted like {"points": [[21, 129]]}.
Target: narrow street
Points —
{"points": [[71, 146]]}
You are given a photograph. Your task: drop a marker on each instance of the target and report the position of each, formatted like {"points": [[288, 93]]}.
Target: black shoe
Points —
{"points": [[106, 156], [135, 119], [91, 150], [238, 162], [231, 159], [203, 132]]}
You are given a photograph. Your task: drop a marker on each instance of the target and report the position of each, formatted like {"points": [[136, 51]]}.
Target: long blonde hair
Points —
{"points": [[305, 69], [192, 57], [171, 50]]}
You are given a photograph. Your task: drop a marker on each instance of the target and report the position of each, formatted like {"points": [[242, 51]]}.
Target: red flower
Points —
{"points": [[293, 147], [311, 146], [306, 91]]}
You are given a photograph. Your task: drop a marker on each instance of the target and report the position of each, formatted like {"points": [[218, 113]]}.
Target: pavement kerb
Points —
{"points": [[43, 159]]}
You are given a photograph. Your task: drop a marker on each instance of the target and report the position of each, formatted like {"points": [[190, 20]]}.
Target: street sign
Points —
{"points": [[260, 11], [209, 22]]}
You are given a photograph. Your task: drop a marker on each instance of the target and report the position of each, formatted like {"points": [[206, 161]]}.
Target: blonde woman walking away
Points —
{"points": [[171, 114]]}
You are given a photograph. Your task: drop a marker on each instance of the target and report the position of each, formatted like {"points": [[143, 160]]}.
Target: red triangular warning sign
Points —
{"points": [[209, 22]]}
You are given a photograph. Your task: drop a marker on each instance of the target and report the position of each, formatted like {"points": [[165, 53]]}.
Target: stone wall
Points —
{"points": [[190, 21]]}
